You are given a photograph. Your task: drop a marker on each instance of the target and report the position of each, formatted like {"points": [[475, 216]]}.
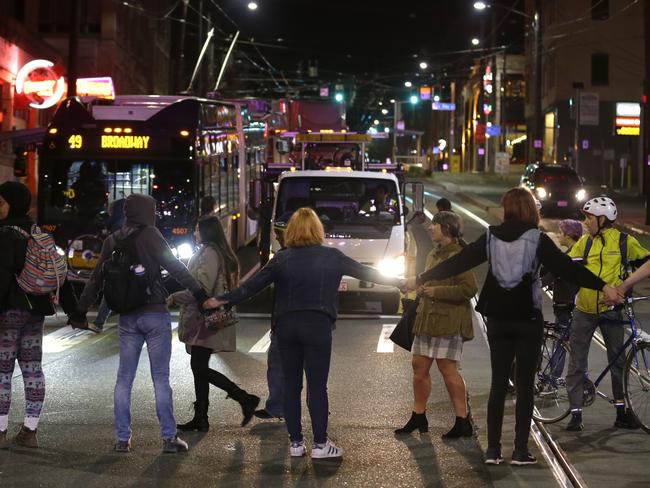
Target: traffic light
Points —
{"points": [[339, 97], [20, 163]]}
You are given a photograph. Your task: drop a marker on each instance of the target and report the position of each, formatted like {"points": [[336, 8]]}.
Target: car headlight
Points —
{"points": [[541, 192], [581, 194], [393, 267], [185, 251]]}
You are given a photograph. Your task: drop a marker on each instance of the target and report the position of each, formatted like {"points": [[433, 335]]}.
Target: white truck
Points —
{"points": [[363, 213]]}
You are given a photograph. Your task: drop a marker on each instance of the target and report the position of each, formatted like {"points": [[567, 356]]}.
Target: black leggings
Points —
{"points": [[203, 375], [509, 340]]}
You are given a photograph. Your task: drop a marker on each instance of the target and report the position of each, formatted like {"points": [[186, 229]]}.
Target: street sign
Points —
{"points": [[479, 133], [448, 107], [324, 91], [628, 119], [585, 144], [537, 143], [588, 108], [425, 93], [502, 163], [400, 125], [494, 130]]}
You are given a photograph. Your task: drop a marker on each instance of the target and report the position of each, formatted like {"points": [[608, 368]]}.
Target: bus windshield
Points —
{"points": [[87, 196], [354, 207]]}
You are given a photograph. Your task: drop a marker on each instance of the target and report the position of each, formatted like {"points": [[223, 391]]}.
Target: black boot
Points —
{"points": [[462, 428], [417, 421], [200, 421], [247, 402]]}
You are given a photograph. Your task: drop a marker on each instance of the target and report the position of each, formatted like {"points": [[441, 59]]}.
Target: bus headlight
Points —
{"points": [[392, 267], [185, 251], [541, 192]]}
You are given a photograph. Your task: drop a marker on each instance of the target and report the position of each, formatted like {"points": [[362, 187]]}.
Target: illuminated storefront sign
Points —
{"points": [[628, 119], [101, 87], [40, 83], [125, 142]]}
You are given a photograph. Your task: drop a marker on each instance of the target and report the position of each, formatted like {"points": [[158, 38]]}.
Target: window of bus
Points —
{"points": [[233, 200], [223, 183]]}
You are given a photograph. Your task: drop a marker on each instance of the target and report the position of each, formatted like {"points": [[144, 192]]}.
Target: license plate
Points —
{"points": [[562, 203], [343, 286]]}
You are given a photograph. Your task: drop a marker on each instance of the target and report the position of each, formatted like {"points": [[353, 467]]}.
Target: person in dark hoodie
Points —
{"points": [[511, 301], [150, 324], [21, 317]]}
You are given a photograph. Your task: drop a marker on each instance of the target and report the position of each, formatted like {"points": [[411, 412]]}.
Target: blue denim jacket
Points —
{"points": [[306, 278]]}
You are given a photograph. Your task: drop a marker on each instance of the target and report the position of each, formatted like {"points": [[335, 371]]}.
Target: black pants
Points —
{"points": [[204, 376], [509, 340], [305, 343]]}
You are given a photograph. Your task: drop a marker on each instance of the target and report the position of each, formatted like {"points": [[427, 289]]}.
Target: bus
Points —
{"points": [[177, 149]]}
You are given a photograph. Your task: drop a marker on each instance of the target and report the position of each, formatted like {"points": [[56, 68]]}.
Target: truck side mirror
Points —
{"points": [[282, 146]]}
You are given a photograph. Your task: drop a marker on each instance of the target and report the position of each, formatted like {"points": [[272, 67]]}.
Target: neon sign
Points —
{"points": [[40, 83], [101, 87], [125, 142]]}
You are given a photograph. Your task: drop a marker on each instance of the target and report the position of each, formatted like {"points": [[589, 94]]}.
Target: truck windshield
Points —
{"points": [[87, 196], [354, 207]]}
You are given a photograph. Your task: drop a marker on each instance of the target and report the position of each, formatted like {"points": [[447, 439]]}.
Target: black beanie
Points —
{"points": [[17, 196]]}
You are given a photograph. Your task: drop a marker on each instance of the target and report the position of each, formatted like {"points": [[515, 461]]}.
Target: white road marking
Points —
{"points": [[263, 344], [384, 344], [64, 338]]}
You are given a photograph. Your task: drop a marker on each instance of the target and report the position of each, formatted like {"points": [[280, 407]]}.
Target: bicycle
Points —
{"points": [[551, 397]]}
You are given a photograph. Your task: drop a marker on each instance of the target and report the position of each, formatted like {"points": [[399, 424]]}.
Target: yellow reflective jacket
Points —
{"points": [[609, 267]]}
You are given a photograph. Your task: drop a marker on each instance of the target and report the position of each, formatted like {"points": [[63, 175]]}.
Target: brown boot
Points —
{"points": [[26, 437], [4, 441]]}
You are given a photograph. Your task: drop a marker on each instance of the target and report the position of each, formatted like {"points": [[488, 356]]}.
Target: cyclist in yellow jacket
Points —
{"points": [[602, 248]]}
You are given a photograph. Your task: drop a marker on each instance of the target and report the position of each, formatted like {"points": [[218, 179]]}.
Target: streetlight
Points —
{"points": [[480, 5], [423, 65], [408, 84], [475, 41], [384, 111], [436, 98], [252, 5], [338, 97], [413, 99], [376, 122]]}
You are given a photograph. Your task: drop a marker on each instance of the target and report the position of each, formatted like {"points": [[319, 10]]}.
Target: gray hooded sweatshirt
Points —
{"points": [[153, 252]]}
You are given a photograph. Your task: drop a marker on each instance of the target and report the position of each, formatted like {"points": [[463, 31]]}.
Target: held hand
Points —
{"points": [[612, 296], [411, 284], [212, 302], [169, 301], [427, 291]]}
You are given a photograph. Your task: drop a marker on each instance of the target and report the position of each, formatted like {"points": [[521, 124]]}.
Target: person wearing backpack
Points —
{"points": [[511, 301], [22, 313], [215, 266], [128, 270], [607, 252]]}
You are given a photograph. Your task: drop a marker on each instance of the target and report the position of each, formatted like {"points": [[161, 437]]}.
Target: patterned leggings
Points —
{"points": [[21, 337]]}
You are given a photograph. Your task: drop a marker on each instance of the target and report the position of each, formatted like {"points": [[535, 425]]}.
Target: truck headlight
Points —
{"points": [[392, 267], [541, 192], [581, 194]]}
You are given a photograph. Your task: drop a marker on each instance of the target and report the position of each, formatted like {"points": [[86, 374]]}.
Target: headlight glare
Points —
{"points": [[393, 267], [541, 192], [581, 194], [185, 251]]}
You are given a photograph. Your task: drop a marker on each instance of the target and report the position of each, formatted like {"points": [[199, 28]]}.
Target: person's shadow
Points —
{"points": [[425, 457]]}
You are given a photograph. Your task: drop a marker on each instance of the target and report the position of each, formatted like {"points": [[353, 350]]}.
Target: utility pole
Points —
{"points": [[537, 109], [646, 113], [181, 50], [73, 47]]}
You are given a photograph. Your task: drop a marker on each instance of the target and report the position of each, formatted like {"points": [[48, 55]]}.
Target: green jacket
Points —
{"points": [[449, 313]]}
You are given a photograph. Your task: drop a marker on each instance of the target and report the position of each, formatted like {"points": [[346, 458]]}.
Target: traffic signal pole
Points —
{"points": [[646, 113]]}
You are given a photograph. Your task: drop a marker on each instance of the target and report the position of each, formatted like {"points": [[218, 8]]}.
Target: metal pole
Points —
{"points": [[225, 60], [181, 53], [645, 113], [198, 61], [538, 124], [73, 47]]}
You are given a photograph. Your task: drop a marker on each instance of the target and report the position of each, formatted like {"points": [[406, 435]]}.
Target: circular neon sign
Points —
{"points": [[38, 81]]}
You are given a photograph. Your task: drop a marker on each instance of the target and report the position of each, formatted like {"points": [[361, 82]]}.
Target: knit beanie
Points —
{"points": [[18, 197], [572, 228]]}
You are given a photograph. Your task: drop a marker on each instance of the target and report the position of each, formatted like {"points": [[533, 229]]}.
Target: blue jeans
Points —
{"points": [[275, 379], [134, 330], [305, 343]]}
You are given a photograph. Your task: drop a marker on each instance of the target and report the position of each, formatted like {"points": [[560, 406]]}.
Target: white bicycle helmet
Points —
{"points": [[601, 206]]}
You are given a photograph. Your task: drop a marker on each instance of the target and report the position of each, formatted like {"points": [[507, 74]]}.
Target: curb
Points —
{"points": [[632, 228]]}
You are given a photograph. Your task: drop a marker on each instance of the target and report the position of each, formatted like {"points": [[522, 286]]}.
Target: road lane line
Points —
{"points": [[384, 344], [263, 344]]}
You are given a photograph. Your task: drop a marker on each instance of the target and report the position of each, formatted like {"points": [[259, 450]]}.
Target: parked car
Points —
{"points": [[559, 189]]}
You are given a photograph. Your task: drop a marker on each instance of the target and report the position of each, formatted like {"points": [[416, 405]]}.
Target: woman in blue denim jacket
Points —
{"points": [[306, 276]]}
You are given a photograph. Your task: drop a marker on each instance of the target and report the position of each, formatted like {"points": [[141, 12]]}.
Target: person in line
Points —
{"points": [[216, 268], [511, 301], [443, 205], [564, 292], [443, 322], [604, 257], [306, 275], [150, 323], [21, 318]]}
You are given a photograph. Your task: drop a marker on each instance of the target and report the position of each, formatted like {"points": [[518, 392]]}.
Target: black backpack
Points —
{"points": [[124, 290]]}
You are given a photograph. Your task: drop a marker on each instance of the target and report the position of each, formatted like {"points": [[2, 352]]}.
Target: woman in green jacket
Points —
{"points": [[442, 324]]}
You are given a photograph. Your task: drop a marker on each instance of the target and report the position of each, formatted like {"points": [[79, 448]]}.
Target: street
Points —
{"points": [[370, 395]]}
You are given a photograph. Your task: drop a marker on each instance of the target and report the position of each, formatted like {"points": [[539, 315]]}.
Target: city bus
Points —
{"points": [[177, 149]]}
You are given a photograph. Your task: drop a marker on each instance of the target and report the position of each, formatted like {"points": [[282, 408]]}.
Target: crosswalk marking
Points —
{"points": [[263, 344], [384, 344]]}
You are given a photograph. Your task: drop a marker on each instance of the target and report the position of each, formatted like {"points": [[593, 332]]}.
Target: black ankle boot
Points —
{"points": [[417, 421], [200, 421], [462, 428], [247, 402]]}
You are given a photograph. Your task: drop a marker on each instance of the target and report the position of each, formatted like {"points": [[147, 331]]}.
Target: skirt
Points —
{"points": [[449, 347]]}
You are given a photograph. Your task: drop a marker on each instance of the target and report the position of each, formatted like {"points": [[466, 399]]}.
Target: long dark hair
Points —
{"points": [[212, 234]]}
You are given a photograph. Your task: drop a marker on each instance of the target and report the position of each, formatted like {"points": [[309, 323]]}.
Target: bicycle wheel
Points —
{"points": [[551, 397], [637, 384]]}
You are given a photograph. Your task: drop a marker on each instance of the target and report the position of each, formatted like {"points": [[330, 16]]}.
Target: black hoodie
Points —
{"points": [[153, 252], [548, 254]]}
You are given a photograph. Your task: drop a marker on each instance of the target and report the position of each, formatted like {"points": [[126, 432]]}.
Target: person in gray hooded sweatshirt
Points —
{"points": [[150, 324]]}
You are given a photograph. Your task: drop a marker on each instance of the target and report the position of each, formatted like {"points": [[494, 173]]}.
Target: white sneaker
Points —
{"points": [[298, 449], [327, 450]]}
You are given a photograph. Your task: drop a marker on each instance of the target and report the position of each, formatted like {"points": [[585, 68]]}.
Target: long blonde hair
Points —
{"points": [[304, 229]]}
